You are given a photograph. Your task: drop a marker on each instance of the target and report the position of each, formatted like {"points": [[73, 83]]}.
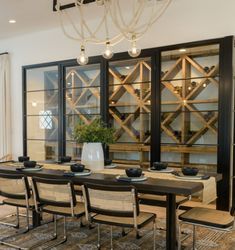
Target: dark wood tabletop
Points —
{"points": [[151, 185]]}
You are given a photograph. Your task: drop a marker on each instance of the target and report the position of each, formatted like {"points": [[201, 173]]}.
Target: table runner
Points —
{"points": [[207, 195]]}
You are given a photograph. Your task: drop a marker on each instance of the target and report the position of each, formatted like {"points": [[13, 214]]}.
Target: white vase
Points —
{"points": [[93, 156]]}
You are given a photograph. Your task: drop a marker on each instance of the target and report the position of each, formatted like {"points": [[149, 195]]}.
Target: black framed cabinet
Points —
{"points": [[172, 104]]}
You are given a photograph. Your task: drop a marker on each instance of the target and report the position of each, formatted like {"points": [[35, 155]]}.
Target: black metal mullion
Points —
{"points": [[62, 117], [24, 110], [224, 121], [155, 148], [104, 97]]}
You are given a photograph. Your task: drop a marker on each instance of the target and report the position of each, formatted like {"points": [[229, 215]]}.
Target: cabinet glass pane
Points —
{"points": [[43, 127], [82, 101], [83, 76], [189, 105], [189, 127], [42, 112], [42, 78], [74, 150], [129, 110], [40, 101], [72, 120], [40, 150]]}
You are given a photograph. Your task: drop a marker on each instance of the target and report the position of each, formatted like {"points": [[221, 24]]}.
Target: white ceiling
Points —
{"points": [[30, 16]]}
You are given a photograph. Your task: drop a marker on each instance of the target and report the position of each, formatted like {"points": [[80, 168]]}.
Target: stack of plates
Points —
{"points": [[83, 173], [35, 169], [166, 170], [131, 179]]}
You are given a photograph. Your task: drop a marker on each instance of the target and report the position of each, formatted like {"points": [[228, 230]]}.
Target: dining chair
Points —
{"points": [[115, 206], [57, 198], [208, 218], [15, 189]]}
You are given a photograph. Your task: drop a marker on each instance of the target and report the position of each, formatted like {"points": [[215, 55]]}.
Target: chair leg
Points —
{"points": [[111, 238], [179, 235], [98, 232], [194, 237], [64, 238], [137, 234], [123, 232], [154, 234], [55, 226]]}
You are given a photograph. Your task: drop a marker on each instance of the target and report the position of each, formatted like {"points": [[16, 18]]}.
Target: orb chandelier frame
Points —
{"points": [[119, 20]]}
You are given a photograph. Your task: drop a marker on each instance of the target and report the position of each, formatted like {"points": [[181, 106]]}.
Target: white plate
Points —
{"points": [[131, 179], [68, 163], [188, 177], [84, 173], [32, 169], [167, 170], [111, 166]]}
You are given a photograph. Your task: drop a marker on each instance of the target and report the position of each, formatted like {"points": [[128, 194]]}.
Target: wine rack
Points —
{"points": [[189, 93], [129, 110]]}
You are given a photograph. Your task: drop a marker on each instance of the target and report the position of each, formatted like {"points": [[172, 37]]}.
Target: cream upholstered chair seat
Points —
{"points": [[208, 217], [142, 219], [18, 202], [78, 210]]}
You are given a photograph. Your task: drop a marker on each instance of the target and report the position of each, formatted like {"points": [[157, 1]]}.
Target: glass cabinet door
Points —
{"points": [[189, 106], [129, 110], [82, 101], [42, 113]]}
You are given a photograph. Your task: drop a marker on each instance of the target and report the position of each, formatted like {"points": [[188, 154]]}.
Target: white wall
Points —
{"points": [[184, 21]]}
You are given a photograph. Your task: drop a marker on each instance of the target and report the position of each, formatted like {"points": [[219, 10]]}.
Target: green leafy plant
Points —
{"points": [[96, 131]]}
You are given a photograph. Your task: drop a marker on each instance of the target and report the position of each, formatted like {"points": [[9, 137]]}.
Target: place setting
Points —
{"points": [[132, 175], [160, 167], [108, 164], [77, 169], [190, 173], [25, 164]]}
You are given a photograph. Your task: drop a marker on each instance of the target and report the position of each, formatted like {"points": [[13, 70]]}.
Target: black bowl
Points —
{"points": [[65, 159], [30, 164], [133, 172], [159, 165], [107, 162], [77, 167], [190, 171], [23, 158]]}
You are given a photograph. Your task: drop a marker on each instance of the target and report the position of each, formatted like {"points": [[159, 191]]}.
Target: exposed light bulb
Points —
{"points": [[108, 53], [83, 58], [182, 50], [34, 104], [134, 51], [12, 21]]}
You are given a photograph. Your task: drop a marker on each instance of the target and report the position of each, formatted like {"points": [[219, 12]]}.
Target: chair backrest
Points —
{"points": [[111, 200], [14, 186], [54, 192]]}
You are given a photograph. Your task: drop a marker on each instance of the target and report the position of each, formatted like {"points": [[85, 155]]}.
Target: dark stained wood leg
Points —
{"points": [[171, 222], [36, 218]]}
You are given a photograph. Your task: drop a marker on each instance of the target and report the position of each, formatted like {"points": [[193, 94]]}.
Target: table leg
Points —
{"points": [[36, 219], [171, 222]]}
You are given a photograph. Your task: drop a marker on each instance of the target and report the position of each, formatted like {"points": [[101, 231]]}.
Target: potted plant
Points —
{"points": [[92, 136]]}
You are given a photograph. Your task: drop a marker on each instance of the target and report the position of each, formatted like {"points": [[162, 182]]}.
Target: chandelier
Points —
{"points": [[118, 20]]}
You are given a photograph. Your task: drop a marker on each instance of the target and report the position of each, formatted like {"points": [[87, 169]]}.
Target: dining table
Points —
{"points": [[167, 187]]}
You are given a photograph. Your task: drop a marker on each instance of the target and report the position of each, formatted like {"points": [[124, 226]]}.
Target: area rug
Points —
{"points": [[83, 238]]}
